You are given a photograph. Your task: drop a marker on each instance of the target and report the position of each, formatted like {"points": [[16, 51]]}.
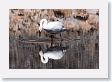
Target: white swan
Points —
{"points": [[52, 27], [52, 54]]}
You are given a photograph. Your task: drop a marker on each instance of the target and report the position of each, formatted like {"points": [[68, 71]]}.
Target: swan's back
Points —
{"points": [[55, 25], [54, 54]]}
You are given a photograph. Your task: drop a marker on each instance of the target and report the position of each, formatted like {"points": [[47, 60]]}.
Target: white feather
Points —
{"points": [[52, 26]]}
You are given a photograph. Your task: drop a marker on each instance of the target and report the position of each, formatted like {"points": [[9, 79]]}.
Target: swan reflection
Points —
{"points": [[53, 52]]}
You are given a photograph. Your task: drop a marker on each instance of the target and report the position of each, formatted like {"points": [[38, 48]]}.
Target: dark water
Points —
{"points": [[70, 51]]}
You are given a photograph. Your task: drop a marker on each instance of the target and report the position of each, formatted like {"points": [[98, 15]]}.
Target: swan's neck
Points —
{"points": [[44, 59], [43, 23]]}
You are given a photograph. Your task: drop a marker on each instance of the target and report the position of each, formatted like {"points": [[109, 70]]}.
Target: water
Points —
{"points": [[73, 50]]}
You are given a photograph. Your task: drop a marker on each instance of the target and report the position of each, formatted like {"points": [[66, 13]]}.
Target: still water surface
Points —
{"points": [[69, 52]]}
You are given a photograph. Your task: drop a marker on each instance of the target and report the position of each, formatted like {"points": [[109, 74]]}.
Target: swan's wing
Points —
{"points": [[54, 54], [55, 25]]}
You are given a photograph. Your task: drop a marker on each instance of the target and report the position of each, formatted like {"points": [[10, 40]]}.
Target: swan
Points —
{"points": [[51, 27], [55, 53]]}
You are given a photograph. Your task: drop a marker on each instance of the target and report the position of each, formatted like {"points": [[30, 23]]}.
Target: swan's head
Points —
{"points": [[43, 24], [44, 59]]}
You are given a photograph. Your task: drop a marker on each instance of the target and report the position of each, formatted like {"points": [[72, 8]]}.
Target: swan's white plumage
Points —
{"points": [[56, 55], [52, 26]]}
